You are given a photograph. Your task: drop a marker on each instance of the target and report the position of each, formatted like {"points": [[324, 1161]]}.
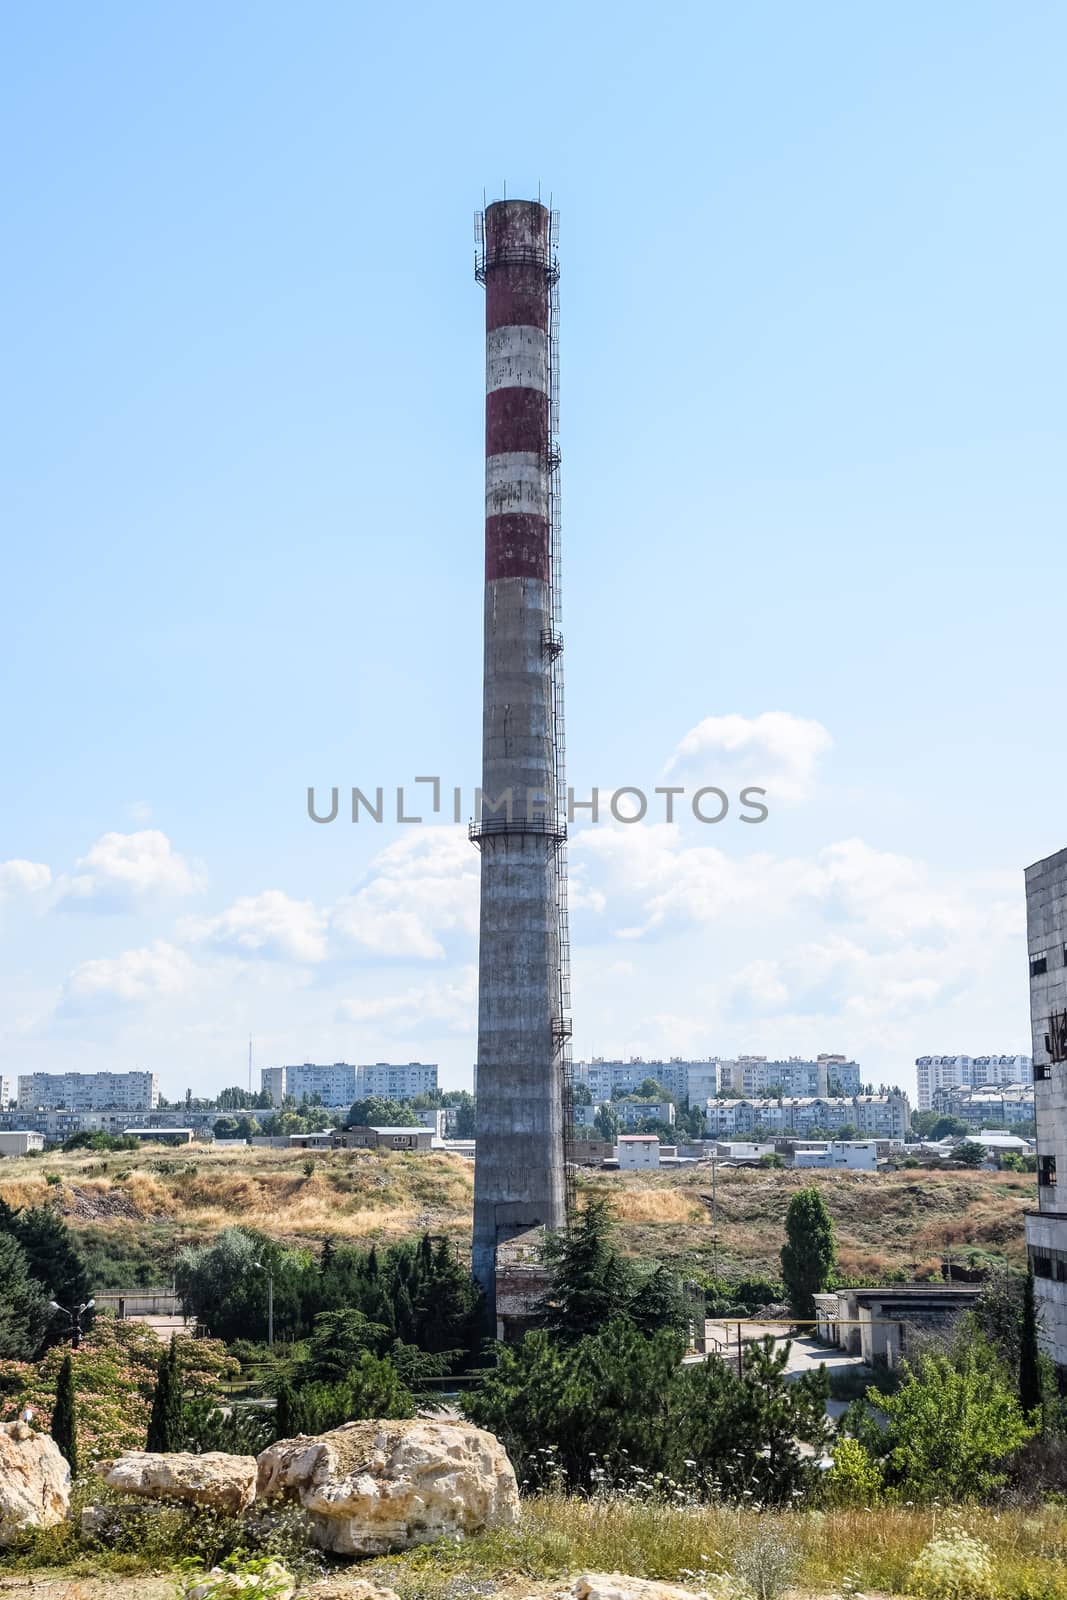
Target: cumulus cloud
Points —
{"points": [[774, 751], [158, 969], [23, 877], [421, 886], [270, 926], [123, 869], [449, 1005]]}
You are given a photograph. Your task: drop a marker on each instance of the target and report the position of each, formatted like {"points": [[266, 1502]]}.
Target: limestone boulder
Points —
{"points": [[225, 1482], [619, 1586], [373, 1487], [34, 1481]]}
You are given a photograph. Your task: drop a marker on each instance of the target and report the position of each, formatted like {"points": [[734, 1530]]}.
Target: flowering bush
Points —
{"points": [[114, 1377], [954, 1566]]}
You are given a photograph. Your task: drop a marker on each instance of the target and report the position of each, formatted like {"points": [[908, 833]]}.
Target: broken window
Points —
{"points": [[1056, 1037], [1046, 1171]]}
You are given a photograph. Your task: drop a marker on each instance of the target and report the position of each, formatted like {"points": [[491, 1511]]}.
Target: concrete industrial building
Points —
{"points": [[520, 822], [638, 1150], [340, 1083], [1046, 1229], [881, 1324], [851, 1155], [88, 1091], [965, 1072]]}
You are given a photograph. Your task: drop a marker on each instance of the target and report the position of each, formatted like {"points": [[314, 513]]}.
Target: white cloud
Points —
{"points": [[23, 877], [158, 969], [122, 869], [774, 751], [451, 1006], [269, 926], [422, 885]]}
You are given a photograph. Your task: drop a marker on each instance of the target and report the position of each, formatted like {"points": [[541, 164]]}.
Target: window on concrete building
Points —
{"points": [[1046, 1171], [1038, 965], [1042, 1267], [1042, 1071]]}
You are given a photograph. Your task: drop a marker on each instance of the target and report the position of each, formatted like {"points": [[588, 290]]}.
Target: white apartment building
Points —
{"points": [[1046, 1229], [757, 1075], [339, 1084], [966, 1072], [6, 1092], [602, 1077], [876, 1116], [393, 1082], [631, 1112], [987, 1107], [88, 1091]]}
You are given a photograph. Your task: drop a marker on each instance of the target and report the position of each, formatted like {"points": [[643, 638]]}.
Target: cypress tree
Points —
{"points": [[289, 1416], [1029, 1370], [165, 1432], [809, 1251], [64, 1417]]}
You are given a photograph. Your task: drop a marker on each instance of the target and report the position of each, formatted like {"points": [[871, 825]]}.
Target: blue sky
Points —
{"points": [[813, 417]]}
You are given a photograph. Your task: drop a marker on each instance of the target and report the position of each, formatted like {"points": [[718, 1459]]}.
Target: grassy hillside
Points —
{"points": [[133, 1211]]}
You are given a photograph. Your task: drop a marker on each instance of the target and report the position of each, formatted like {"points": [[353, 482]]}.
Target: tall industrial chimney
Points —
{"points": [[523, 1087]]}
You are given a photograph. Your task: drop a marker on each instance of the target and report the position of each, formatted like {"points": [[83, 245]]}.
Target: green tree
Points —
{"points": [[165, 1425], [970, 1153], [948, 1428], [376, 1112], [23, 1303], [53, 1258], [1029, 1357], [607, 1123], [590, 1283], [64, 1416], [289, 1418], [809, 1251]]}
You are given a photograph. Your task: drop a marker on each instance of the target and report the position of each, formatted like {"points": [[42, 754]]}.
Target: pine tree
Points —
{"points": [[809, 1251], [165, 1431], [64, 1417], [23, 1303], [52, 1255], [289, 1417], [1029, 1368], [590, 1284]]}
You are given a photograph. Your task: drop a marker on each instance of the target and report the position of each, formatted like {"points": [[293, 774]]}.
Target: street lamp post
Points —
{"points": [[270, 1300], [75, 1318]]}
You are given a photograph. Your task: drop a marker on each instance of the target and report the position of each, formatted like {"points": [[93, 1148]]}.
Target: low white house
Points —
{"points": [[637, 1150], [854, 1155]]}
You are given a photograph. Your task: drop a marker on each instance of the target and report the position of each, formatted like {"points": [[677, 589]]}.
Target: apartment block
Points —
{"points": [[88, 1091], [987, 1107], [757, 1075], [1046, 1229], [875, 1116], [966, 1072], [339, 1083]]}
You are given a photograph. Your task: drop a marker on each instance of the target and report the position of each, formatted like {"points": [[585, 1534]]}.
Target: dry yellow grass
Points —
{"points": [[902, 1222]]}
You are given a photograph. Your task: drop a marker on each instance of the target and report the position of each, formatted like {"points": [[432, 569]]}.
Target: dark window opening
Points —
{"points": [[1056, 1037], [1046, 1171], [1042, 1267], [1044, 1071], [1038, 965]]}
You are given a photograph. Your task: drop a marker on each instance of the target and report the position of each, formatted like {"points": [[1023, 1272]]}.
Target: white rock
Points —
{"points": [[620, 1586], [214, 1479], [34, 1481], [374, 1487]]}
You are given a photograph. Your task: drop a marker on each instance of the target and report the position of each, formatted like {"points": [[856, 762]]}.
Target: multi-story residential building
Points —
{"points": [[756, 1075], [966, 1072], [602, 1077], [339, 1084], [88, 1091], [875, 1116], [393, 1082], [631, 1112], [6, 1092], [1046, 1229], [987, 1108]]}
